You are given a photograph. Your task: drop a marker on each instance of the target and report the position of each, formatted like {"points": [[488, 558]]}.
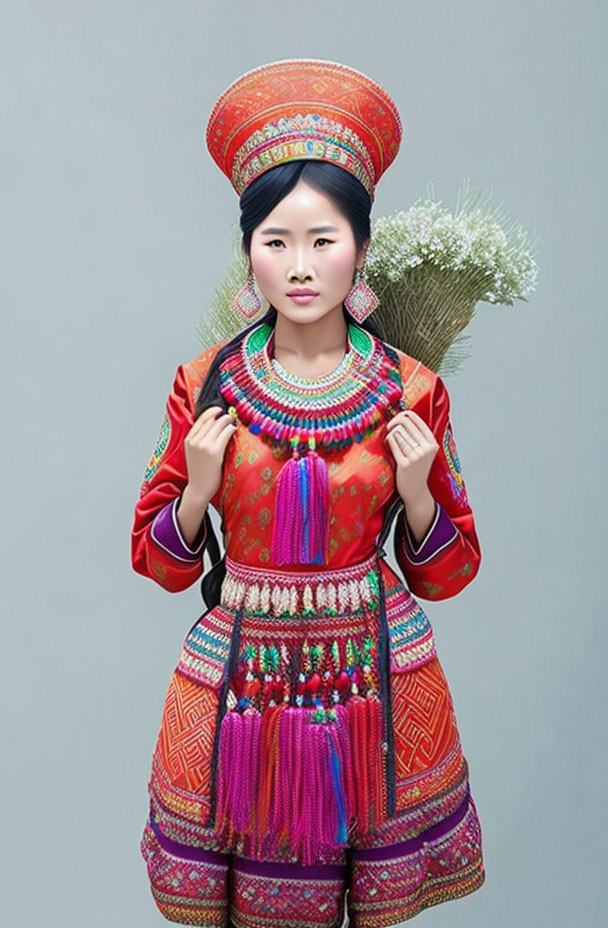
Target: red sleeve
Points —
{"points": [[156, 551], [450, 556]]}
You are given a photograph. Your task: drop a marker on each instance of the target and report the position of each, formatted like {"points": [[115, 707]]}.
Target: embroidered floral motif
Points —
{"points": [[463, 571], [457, 486], [432, 589]]}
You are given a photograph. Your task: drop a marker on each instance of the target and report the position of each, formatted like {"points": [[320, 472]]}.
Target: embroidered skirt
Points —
{"points": [[308, 759]]}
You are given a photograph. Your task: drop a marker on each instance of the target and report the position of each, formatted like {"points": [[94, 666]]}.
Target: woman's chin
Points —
{"points": [[307, 312]]}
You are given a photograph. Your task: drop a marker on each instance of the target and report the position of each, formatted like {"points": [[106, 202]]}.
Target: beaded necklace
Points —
{"points": [[306, 414]]}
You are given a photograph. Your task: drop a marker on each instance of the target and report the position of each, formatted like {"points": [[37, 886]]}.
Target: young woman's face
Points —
{"points": [[305, 243]]}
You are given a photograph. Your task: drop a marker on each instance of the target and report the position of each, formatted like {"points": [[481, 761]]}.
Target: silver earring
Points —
{"points": [[247, 301], [361, 299]]}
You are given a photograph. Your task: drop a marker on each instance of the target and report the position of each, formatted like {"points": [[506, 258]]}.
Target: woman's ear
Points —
{"points": [[362, 253]]}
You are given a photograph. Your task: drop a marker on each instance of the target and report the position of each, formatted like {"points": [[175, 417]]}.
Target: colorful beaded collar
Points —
{"points": [[330, 411]]}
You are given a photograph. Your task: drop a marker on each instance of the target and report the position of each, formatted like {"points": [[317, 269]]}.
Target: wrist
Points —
{"points": [[194, 498], [423, 501], [420, 515]]}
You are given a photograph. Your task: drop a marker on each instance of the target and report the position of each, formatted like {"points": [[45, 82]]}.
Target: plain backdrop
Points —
{"points": [[116, 227]]}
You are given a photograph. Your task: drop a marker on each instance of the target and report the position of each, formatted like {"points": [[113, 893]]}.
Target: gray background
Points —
{"points": [[116, 227]]}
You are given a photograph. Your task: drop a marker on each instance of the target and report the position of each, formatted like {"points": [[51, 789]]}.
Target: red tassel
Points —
{"points": [[374, 709], [365, 721]]}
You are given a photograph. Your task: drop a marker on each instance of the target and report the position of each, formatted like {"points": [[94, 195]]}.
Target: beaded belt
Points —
{"points": [[282, 592]]}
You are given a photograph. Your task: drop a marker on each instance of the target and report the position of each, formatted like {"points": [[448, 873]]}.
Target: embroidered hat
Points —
{"points": [[303, 108]]}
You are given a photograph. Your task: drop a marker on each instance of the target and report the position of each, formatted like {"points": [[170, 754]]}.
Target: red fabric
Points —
{"points": [[169, 481], [452, 568], [250, 128]]}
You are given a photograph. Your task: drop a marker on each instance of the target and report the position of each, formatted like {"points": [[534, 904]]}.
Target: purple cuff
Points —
{"points": [[167, 534], [441, 533]]}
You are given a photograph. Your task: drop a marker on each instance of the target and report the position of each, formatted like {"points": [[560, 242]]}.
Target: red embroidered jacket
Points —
{"points": [[362, 486]]}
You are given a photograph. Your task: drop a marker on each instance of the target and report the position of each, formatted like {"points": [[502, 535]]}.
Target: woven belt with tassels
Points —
{"points": [[371, 570]]}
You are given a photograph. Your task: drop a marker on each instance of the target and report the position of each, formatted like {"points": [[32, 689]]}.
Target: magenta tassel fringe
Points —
{"points": [[306, 793], [238, 770], [301, 519]]}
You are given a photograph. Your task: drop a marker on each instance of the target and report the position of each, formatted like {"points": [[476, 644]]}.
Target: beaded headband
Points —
{"points": [[303, 108]]}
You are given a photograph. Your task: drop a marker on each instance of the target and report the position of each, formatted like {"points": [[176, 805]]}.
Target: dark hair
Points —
{"points": [[256, 202]]}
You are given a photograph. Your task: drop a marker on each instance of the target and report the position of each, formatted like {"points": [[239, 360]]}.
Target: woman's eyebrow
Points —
{"points": [[275, 230]]}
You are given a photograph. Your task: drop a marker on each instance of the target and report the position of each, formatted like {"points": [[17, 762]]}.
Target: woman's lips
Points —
{"points": [[302, 298]]}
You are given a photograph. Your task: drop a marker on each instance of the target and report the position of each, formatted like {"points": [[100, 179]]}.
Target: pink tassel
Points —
{"points": [[239, 753], [301, 520], [318, 507], [317, 823], [305, 799], [342, 724], [291, 780], [339, 805], [224, 783], [304, 809]]}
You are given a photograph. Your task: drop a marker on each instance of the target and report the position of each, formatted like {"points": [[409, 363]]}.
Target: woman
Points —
{"points": [[308, 760]]}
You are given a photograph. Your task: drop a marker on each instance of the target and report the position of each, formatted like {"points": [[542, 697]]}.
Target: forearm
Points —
{"points": [[420, 514], [190, 514]]}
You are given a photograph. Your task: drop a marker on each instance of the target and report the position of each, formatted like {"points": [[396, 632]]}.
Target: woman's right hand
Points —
{"points": [[205, 446]]}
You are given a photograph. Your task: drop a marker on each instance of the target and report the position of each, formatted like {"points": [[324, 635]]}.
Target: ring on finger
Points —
{"points": [[408, 443]]}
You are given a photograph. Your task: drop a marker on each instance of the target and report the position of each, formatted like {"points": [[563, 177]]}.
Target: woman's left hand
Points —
{"points": [[414, 448]]}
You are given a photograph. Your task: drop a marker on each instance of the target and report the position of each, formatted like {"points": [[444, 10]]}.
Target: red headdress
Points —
{"points": [[303, 108]]}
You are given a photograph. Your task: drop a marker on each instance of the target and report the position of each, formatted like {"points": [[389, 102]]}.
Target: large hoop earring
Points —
{"points": [[361, 299], [247, 301]]}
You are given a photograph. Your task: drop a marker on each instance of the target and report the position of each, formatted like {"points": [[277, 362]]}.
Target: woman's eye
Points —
{"points": [[278, 241]]}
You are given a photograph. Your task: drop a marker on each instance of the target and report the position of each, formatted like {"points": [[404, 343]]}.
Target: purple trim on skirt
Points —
{"points": [[286, 869], [316, 871], [185, 850], [247, 865]]}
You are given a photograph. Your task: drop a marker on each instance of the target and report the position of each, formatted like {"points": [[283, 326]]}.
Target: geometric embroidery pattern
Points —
{"points": [[266, 899], [162, 443], [411, 637], [205, 649], [454, 469], [191, 892], [426, 734], [186, 734]]}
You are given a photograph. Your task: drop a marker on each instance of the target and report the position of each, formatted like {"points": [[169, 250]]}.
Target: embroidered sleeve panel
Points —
{"points": [[158, 549], [449, 557]]}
